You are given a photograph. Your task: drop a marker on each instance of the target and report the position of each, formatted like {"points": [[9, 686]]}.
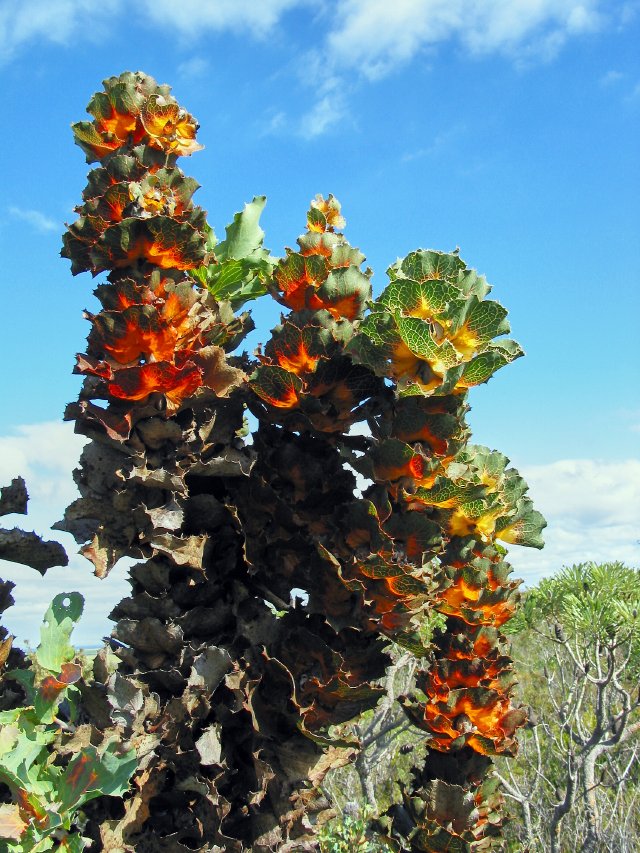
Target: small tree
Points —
{"points": [[230, 687], [577, 643]]}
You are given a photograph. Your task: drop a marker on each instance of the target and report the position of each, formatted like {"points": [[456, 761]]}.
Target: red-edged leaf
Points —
{"points": [[277, 386], [53, 685], [136, 383]]}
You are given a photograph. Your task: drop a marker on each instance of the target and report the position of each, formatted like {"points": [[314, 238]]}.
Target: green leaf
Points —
{"points": [[91, 775], [488, 320], [481, 368], [379, 327], [244, 234], [242, 265], [426, 264], [73, 844], [237, 281], [424, 299], [21, 747], [473, 284], [363, 350], [417, 335], [525, 529], [59, 621]]}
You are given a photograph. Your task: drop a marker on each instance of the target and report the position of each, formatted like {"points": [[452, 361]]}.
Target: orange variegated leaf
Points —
{"points": [[277, 386], [481, 718], [119, 126], [169, 126], [393, 460], [344, 292], [136, 383], [136, 332], [93, 143], [81, 776], [298, 349], [53, 685], [160, 241], [31, 808], [298, 278]]}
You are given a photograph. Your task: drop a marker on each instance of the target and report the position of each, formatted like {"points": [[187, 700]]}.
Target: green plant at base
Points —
{"points": [[47, 795], [350, 834]]}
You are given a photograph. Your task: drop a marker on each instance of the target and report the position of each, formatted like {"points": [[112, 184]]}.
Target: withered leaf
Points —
{"points": [[209, 746], [217, 373], [14, 497], [209, 669], [19, 546], [184, 551], [12, 826]]}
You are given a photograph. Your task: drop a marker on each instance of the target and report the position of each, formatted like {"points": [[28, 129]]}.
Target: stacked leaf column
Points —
{"points": [[424, 533], [156, 483], [268, 590]]}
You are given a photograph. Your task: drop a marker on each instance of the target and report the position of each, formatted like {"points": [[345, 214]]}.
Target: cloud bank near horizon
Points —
{"points": [[592, 508]]}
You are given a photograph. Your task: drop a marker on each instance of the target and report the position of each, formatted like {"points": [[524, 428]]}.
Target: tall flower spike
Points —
{"points": [[305, 377], [160, 338]]}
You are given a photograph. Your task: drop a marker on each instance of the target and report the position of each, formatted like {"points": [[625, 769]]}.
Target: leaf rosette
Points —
{"points": [[132, 110], [432, 330], [478, 495]]}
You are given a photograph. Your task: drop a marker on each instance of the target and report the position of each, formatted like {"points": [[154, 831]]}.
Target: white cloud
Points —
{"points": [[375, 36], [634, 94], [193, 68], [58, 21], [38, 220], [326, 113], [275, 122], [440, 143], [628, 13], [611, 78], [592, 509], [330, 92], [45, 455], [194, 16], [22, 21], [370, 37]]}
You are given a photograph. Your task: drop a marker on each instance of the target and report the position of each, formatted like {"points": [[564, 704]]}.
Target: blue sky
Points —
{"points": [[509, 128]]}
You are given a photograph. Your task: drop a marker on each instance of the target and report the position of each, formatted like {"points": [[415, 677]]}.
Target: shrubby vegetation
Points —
{"points": [[576, 642]]}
